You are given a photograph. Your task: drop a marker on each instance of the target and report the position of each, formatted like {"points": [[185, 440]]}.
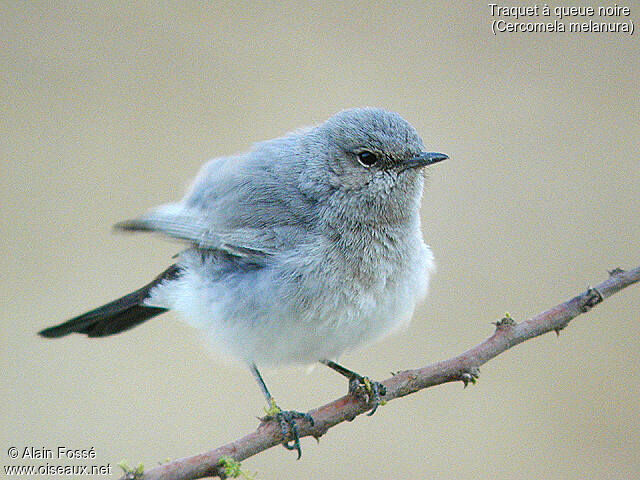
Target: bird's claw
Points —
{"points": [[364, 387], [288, 426]]}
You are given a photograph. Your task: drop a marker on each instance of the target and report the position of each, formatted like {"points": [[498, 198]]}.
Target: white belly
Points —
{"points": [[259, 318]]}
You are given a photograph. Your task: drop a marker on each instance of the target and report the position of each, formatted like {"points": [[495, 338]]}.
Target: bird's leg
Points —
{"points": [[358, 383], [286, 418]]}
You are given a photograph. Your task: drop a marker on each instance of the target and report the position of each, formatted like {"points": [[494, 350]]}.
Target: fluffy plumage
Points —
{"points": [[297, 250]]}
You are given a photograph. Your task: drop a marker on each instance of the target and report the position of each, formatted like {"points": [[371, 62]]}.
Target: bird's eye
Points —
{"points": [[367, 158]]}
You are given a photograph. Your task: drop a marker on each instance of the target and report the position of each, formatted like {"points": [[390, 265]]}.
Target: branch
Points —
{"points": [[464, 367]]}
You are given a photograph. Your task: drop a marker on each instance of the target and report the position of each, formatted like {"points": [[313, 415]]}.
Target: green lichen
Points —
{"points": [[130, 472], [232, 468], [273, 409]]}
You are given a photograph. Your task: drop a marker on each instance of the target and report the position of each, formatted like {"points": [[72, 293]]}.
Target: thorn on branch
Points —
{"points": [[615, 271], [590, 299]]}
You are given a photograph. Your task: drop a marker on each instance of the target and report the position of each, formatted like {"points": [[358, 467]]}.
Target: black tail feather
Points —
{"points": [[114, 317]]}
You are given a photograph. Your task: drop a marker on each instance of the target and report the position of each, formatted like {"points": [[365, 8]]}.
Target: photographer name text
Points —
{"points": [[59, 453]]}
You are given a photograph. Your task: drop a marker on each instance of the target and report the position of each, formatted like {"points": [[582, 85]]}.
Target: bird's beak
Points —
{"points": [[424, 159]]}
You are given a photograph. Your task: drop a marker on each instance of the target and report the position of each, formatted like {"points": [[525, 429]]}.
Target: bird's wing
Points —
{"points": [[195, 228], [249, 205]]}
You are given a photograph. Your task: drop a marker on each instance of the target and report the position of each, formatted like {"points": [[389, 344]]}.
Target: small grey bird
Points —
{"points": [[299, 250]]}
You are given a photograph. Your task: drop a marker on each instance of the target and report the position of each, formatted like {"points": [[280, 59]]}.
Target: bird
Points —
{"points": [[303, 248]]}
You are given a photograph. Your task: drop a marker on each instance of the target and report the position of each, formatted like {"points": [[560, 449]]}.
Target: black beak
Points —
{"points": [[424, 159]]}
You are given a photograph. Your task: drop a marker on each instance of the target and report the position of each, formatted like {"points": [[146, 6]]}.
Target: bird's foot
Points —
{"points": [[364, 387], [288, 426]]}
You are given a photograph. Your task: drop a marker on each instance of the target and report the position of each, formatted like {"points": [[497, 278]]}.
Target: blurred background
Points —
{"points": [[110, 108]]}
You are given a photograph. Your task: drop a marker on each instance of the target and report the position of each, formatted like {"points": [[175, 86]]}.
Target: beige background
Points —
{"points": [[108, 110]]}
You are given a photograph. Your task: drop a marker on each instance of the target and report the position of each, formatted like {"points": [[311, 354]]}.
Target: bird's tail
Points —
{"points": [[114, 317]]}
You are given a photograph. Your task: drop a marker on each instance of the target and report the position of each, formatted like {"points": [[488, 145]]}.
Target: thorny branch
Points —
{"points": [[464, 367]]}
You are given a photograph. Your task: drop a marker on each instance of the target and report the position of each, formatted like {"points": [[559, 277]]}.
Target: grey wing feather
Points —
{"points": [[196, 230], [248, 206]]}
